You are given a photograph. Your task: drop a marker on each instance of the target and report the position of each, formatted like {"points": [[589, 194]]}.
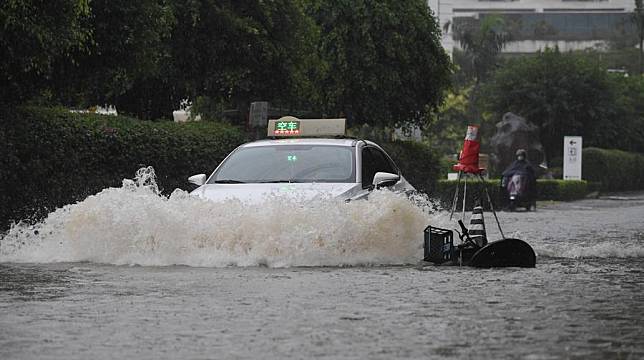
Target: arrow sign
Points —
{"points": [[572, 158]]}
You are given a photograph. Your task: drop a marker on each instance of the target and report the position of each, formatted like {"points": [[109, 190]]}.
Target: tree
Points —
{"points": [[34, 35], [630, 105], [482, 42], [128, 62], [237, 52], [446, 127], [385, 63], [563, 94], [370, 60]]}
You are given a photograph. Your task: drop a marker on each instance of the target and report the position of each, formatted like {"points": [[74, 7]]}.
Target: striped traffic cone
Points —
{"points": [[477, 227]]}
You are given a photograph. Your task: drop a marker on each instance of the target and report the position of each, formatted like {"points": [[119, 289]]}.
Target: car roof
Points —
{"points": [[303, 141]]}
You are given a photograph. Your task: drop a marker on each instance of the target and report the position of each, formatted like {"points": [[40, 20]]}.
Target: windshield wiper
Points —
{"points": [[229, 182], [277, 181]]}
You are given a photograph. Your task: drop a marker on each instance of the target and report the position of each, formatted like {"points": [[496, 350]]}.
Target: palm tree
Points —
{"points": [[482, 44]]}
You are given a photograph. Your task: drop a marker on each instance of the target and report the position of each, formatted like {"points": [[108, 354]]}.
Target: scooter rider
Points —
{"points": [[522, 166]]}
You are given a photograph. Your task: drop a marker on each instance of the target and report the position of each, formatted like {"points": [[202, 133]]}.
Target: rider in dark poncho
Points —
{"points": [[522, 167]]}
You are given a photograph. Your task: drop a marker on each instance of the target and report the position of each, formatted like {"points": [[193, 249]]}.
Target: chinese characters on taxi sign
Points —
{"points": [[287, 128]]}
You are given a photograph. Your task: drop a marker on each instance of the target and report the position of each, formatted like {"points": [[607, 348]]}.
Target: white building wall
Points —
{"points": [[447, 10], [443, 10], [529, 46]]}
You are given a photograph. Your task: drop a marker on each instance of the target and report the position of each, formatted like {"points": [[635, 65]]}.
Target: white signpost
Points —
{"points": [[258, 117], [572, 158]]}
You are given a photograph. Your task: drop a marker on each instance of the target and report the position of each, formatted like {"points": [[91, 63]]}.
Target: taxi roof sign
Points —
{"points": [[290, 126]]}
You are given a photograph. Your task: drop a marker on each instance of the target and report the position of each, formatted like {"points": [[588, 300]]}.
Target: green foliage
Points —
{"points": [[238, 52], [447, 163], [482, 41], [446, 127], [52, 157], [422, 174], [563, 190], [629, 117], [419, 163], [625, 59], [546, 190], [475, 193], [207, 108], [385, 64], [127, 61], [34, 35], [374, 133], [372, 61], [614, 169], [563, 94]]}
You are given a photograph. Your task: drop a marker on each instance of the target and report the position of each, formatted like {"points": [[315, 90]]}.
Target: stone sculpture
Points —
{"points": [[514, 132]]}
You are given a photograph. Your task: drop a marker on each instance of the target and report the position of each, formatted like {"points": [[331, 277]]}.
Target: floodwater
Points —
{"points": [[130, 274]]}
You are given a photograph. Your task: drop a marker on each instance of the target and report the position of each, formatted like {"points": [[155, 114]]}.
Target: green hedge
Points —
{"points": [[563, 190], [51, 157], [546, 190], [445, 192], [418, 162], [615, 170]]}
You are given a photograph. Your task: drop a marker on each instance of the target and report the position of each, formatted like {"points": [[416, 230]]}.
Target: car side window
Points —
{"points": [[368, 167], [381, 161]]}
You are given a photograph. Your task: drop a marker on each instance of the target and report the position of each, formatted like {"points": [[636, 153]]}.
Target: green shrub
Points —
{"points": [[51, 157], [563, 190], [546, 190], [614, 169], [475, 193], [418, 162]]}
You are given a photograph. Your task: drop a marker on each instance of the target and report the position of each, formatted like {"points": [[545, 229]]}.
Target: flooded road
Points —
{"points": [[584, 300]]}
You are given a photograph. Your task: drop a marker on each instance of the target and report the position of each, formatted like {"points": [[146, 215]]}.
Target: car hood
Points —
{"points": [[259, 192]]}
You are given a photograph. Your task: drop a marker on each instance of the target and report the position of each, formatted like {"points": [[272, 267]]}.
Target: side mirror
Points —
{"points": [[197, 179], [384, 179]]}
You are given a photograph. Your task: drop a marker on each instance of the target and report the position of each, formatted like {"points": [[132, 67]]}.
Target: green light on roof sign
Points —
{"points": [[292, 158], [287, 128]]}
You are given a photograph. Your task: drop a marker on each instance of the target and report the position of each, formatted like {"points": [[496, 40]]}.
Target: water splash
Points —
{"points": [[134, 224]]}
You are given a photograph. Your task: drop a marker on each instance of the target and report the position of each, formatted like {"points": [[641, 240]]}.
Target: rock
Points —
{"points": [[512, 133]]}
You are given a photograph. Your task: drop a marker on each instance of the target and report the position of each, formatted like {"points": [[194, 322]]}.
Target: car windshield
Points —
{"points": [[288, 163]]}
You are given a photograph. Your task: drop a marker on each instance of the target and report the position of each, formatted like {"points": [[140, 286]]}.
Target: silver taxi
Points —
{"points": [[303, 167]]}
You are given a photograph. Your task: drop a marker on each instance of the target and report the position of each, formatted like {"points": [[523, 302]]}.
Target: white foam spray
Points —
{"points": [[133, 224]]}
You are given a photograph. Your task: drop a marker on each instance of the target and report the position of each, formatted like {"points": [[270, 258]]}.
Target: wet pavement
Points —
{"points": [[584, 300]]}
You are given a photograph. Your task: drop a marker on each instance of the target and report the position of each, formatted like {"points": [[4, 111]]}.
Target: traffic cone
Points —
{"points": [[468, 159], [477, 227]]}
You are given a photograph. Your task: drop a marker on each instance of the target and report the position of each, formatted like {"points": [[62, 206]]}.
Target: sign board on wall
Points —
{"points": [[572, 158]]}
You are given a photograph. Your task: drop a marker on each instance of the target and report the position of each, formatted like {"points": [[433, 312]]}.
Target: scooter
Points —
{"points": [[518, 194]]}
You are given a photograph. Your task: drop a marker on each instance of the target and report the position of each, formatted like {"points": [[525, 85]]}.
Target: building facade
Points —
{"points": [[536, 24]]}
